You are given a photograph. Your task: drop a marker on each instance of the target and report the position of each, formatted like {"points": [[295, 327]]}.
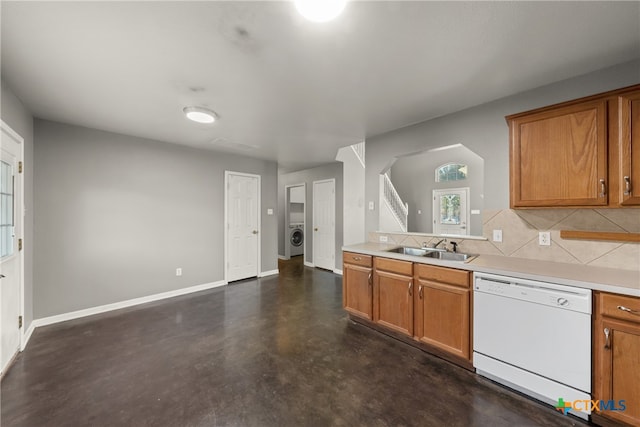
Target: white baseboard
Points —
{"points": [[282, 257], [309, 264], [122, 304], [269, 273], [27, 336], [335, 270]]}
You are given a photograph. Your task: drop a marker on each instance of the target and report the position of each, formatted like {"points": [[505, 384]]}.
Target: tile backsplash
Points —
{"points": [[520, 236]]}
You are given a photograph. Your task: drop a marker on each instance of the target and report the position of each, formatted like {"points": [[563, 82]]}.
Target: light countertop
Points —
{"points": [[626, 282]]}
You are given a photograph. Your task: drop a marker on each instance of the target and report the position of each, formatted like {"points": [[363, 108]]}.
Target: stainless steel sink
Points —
{"points": [[449, 256], [432, 253], [410, 251]]}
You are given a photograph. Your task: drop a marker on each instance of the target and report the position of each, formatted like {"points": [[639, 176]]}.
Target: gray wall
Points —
{"points": [[484, 131], [20, 120], [414, 179], [332, 170], [352, 197], [117, 214]]}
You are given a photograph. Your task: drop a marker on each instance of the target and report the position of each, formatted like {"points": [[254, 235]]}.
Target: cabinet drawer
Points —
{"points": [[444, 275], [618, 306], [394, 266], [357, 259]]}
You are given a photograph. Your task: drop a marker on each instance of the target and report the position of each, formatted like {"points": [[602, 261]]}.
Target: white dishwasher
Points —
{"points": [[534, 337]]}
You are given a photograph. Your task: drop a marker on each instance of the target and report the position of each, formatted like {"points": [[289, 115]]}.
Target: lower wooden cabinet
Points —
{"points": [[616, 353], [357, 285], [393, 294], [424, 305], [442, 309]]}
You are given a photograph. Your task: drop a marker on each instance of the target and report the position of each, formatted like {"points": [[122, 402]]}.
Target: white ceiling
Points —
{"points": [[295, 90]]}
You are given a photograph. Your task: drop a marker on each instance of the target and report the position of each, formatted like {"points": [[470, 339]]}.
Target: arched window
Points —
{"points": [[451, 172]]}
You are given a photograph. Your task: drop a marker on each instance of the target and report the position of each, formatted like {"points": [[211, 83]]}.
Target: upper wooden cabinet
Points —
{"points": [[578, 153], [629, 148], [559, 157]]}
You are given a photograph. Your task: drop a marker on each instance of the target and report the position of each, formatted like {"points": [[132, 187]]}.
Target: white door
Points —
{"points": [[243, 225], [324, 228], [450, 211], [11, 217]]}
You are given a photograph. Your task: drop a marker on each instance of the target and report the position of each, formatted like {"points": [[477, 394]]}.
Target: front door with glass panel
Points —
{"points": [[11, 216], [450, 211]]}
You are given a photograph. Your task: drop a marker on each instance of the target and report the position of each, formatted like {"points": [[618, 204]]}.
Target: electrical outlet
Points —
{"points": [[544, 238], [384, 239], [497, 235], [179, 271]]}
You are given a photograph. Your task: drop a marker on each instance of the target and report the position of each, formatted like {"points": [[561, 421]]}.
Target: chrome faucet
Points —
{"points": [[437, 244]]}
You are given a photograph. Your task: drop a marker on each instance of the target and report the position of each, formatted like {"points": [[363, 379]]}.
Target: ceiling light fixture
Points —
{"points": [[200, 115], [320, 10]]}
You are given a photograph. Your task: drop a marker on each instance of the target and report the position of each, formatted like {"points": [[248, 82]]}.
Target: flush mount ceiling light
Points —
{"points": [[200, 115], [320, 10]]}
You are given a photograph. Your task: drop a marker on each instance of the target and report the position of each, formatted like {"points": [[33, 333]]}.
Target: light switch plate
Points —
{"points": [[497, 235], [371, 206], [269, 211]]}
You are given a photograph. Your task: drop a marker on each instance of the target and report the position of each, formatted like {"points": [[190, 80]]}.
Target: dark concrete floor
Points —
{"points": [[278, 351]]}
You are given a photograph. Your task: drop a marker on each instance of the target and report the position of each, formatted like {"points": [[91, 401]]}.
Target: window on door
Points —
{"points": [[450, 211], [6, 210]]}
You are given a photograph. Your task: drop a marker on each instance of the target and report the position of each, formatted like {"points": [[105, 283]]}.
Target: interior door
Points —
{"points": [[450, 211], [11, 218], [243, 225], [324, 224]]}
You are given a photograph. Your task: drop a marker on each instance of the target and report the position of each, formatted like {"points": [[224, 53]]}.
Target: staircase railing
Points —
{"points": [[398, 207], [359, 150]]}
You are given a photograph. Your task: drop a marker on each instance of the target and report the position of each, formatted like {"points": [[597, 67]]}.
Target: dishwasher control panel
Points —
{"points": [[550, 294]]}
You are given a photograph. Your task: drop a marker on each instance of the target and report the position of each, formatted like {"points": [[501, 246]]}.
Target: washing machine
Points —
{"points": [[296, 239]]}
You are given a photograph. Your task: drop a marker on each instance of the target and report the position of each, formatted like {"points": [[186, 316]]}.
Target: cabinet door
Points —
{"points": [[442, 317], [357, 294], [617, 370], [558, 157], [629, 134], [393, 301]]}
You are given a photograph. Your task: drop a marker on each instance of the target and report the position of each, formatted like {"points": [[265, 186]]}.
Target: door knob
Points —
{"points": [[315, 229], [255, 231], [2, 276]]}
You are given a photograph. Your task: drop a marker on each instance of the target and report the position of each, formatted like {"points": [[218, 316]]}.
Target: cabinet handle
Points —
{"points": [[420, 291], [356, 258], [627, 185], [410, 287], [628, 310], [603, 188], [607, 342], [370, 279]]}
